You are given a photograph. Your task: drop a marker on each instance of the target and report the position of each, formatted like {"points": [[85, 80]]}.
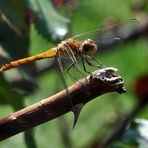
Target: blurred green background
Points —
{"points": [[100, 117]]}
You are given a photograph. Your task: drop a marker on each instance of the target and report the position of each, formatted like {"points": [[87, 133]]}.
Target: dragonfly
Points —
{"points": [[72, 48]]}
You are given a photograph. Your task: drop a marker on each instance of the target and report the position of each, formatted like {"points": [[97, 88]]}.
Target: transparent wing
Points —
{"points": [[128, 29], [111, 35], [73, 67], [106, 37]]}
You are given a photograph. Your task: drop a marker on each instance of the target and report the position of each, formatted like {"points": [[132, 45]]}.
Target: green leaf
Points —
{"points": [[8, 96], [16, 46], [14, 36], [15, 12], [47, 21], [136, 135], [143, 132]]}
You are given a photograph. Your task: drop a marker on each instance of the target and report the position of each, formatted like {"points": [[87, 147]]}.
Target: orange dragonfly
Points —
{"points": [[71, 48]]}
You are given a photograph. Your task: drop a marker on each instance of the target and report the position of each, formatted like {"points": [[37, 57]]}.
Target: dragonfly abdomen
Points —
{"points": [[48, 54]]}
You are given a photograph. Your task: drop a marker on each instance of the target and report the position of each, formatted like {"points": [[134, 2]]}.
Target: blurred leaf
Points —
{"points": [[14, 29], [15, 11], [48, 22], [143, 132], [141, 88], [136, 135], [15, 45], [8, 96]]}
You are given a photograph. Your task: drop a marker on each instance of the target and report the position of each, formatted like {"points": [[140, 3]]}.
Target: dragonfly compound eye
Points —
{"points": [[88, 47]]}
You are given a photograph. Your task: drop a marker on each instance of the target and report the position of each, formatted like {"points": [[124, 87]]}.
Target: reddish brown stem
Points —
{"points": [[100, 82]]}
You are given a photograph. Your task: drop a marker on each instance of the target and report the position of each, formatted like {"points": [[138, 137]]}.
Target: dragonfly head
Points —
{"points": [[88, 48]]}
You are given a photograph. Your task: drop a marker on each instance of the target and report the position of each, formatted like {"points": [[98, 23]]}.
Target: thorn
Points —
{"points": [[76, 110]]}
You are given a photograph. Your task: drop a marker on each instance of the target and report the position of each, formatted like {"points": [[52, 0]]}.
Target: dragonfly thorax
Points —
{"points": [[72, 47], [88, 48], [69, 46]]}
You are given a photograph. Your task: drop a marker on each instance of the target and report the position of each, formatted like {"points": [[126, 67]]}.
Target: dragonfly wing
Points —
{"points": [[117, 34], [74, 68], [77, 108], [129, 28], [111, 34], [105, 43], [76, 71]]}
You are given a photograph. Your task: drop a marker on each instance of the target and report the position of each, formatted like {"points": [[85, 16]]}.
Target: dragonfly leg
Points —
{"points": [[83, 63], [99, 65], [64, 80], [71, 65], [68, 71], [77, 68], [77, 108]]}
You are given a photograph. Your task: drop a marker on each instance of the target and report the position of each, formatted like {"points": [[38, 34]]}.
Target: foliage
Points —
{"points": [[47, 21], [26, 28]]}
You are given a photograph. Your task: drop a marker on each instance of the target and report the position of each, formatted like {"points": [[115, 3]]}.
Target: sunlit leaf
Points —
{"points": [[8, 96], [143, 131], [48, 22], [136, 135]]}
